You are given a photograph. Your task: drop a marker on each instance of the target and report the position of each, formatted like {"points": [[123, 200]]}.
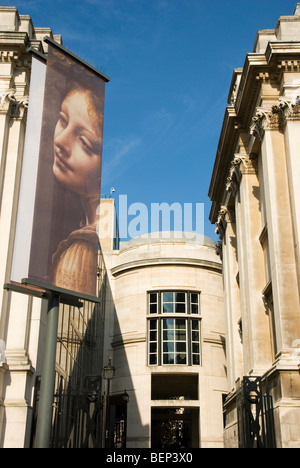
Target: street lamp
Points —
{"points": [[125, 397], [108, 371], [108, 375]]}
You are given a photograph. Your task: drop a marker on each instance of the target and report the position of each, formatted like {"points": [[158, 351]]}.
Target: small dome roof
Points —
{"points": [[169, 236]]}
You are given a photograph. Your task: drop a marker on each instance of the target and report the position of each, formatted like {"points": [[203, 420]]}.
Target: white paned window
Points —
{"points": [[174, 328]]}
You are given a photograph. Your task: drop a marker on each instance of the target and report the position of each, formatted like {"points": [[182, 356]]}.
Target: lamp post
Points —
{"points": [[44, 419], [125, 397], [108, 375]]}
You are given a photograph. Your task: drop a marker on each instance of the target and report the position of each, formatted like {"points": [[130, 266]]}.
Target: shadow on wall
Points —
{"points": [[137, 434], [83, 416], [79, 419]]}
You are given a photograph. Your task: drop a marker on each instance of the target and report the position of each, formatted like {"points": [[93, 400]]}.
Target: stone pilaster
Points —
{"points": [[228, 246], [268, 126], [292, 144], [17, 373], [255, 324]]}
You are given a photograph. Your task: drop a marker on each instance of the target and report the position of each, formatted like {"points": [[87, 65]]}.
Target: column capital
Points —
{"points": [[226, 215], [267, 119], [9, 103], [290, 108], [276, 117], [19, 108], [241, 164], [7, 98]]}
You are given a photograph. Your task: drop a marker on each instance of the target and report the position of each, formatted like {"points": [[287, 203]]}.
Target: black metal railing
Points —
{"points": [[256, 428]]}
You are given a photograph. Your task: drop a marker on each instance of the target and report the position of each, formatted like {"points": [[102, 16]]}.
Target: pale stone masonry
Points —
{"points": [[161, 318], [255, 205], [193, 388], [21, 316]]}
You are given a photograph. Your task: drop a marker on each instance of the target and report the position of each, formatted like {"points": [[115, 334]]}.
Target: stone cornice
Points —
{"points": [[275, 49], [128, 340], [259, 68], [15, 47], [255, 67], [14, 51], [145, 263], [121, 342], [226, 146]]}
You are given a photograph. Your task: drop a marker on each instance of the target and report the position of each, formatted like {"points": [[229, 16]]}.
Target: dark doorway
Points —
{"points": [[118, 422], [174, 428]]}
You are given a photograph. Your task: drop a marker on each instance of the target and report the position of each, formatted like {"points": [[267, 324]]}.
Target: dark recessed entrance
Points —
{"points": [[174, 428]]}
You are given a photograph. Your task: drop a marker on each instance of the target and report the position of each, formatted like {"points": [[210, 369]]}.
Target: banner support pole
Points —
{"points": [[44, 417]]}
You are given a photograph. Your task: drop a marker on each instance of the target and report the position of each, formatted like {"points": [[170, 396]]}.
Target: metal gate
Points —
{"points": [[77, 400], [77, 415], [256, 428]]}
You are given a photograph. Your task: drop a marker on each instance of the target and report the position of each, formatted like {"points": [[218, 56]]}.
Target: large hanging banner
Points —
{"points": [[61, 247]]}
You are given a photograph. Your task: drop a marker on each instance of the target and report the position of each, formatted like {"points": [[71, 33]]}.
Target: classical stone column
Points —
{"points": [[268, 124], [7, 168], [255, 323], [291, 128], [13, 117], [227, 249]]}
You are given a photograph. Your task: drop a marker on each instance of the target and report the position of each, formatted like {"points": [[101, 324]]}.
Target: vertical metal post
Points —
{"points": [[125, 425], [103, 428], [44, 417], [108, 374], [107, 423]]}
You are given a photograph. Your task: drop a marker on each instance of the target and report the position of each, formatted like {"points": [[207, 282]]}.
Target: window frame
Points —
{"points": [[157, 314]]}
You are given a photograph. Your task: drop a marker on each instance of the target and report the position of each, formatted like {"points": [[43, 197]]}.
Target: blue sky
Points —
{"points": [[170, 64]]}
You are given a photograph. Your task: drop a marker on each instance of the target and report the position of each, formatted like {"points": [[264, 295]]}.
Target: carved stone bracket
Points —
{"points": [[275, 118], [9, 103], [241, 164], [267, 120], [219, 249], [220, 223], [291, 109], [234, 175], [7, 97], [225, 215], [257, 128], [19, 108]]}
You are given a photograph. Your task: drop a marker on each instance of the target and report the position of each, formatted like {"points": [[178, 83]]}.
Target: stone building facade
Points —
{"points": [[165, 334], [161, 315], [171, 363], [255, 205], [23, 315]]}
